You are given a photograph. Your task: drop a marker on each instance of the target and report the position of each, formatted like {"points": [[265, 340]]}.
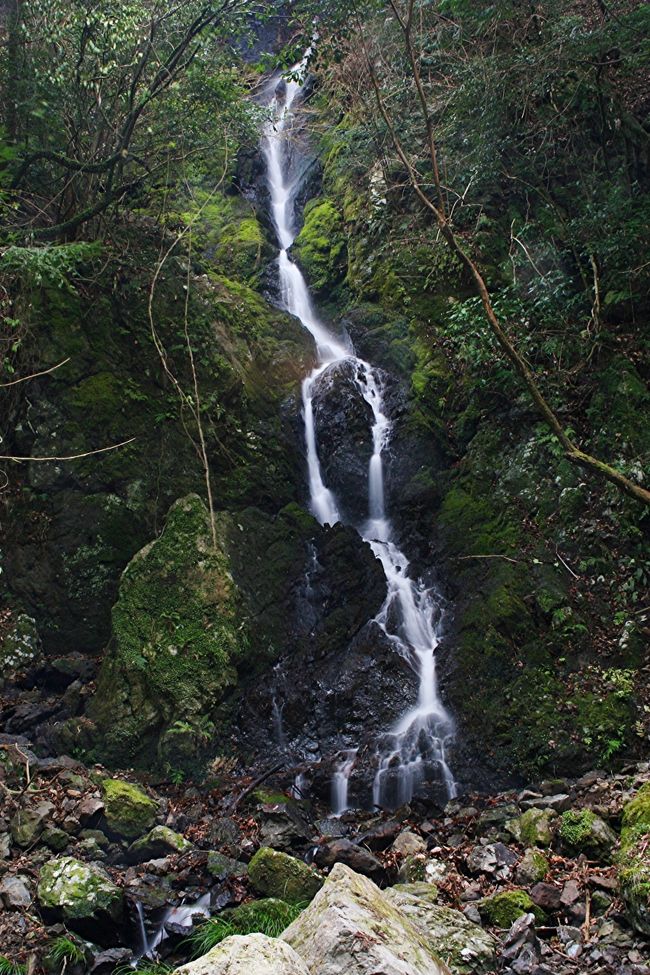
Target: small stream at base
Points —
{"points": [[414, 751]]}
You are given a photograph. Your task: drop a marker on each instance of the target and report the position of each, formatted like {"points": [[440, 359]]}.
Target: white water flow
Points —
{"points": [[180, 916], [412, 753]]}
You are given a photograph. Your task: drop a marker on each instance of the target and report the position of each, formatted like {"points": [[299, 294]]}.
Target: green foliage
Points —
{"points": [[66, 951], [53, 266], [8, 967], [269, 916]]}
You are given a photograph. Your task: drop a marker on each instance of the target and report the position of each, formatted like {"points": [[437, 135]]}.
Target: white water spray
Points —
{"points": [[414, 751]]}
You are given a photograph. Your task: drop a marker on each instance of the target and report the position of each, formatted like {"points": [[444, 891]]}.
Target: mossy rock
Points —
{"points": [[158, 842], [276, 874], [78, 891], [176, 637], [533, 828], [222, 867], [532, 868], [582, 831], [320, 247], [502, 909], [634, 859], [128, 810]]}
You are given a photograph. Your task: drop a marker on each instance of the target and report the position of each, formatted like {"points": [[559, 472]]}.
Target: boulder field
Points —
{"points": [[100, 871]]}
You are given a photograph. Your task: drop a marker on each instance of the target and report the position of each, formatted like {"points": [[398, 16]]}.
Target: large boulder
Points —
{"points": [[466, 947], [634, 859], [343, 421], [176, 636], [82, 895], [252, 954], [277, 874], [128, 809], [352, 927]]}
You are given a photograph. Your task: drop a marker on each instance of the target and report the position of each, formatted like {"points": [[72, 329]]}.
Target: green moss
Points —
{"points": [[128, 809], [634, 859], [637, 811], [575, 827], [502, 909], [320, 247], [177, 635], [276, 874], [76, 890]]}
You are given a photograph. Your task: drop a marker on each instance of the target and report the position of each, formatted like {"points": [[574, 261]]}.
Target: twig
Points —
{"points": [[34, 375], [462, 558], [88, 453], [254, 785]]}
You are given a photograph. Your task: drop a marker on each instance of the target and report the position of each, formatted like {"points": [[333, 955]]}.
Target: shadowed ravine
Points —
{"points": [[411, 755]]}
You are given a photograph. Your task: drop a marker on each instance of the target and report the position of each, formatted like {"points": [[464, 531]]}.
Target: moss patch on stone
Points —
{"points": [[277, 874], [128, 809]]}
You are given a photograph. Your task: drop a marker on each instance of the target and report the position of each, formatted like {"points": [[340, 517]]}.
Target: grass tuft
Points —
{"points": [[269, 917]]}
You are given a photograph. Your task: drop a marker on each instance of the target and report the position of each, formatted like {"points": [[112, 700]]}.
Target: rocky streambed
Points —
{"points": [[101, 871]]}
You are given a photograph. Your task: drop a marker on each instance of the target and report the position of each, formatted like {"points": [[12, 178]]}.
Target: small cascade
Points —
{"points": [[180, 917], [340, 782], [413, 753]]}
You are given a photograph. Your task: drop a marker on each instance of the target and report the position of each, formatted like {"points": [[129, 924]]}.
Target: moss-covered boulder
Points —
{"points": [[634, 859], [78, 892], [502, 909], [276, 874], [533, 828], [582, 831], [129, 811], [161, 841], [176, 636], [320, 247]]}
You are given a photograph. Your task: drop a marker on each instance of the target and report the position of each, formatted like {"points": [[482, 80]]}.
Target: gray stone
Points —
{"points": [[494, 859], [532, 868], [54, 838], [5, 846], [465, 946], [251, 954], [409, 843], [352, 928], [14, 893], [355, 857], [222, 867]]}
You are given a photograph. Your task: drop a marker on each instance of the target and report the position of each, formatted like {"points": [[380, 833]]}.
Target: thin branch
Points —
{"points": [[88, 453], [34, 375]]}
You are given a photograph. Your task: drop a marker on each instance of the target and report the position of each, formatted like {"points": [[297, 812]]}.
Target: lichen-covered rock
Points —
{"points": [[251, 954], [634, 859], [176, 635], [128, 809], [73, 891], [20, 648], [467, 948], [352, 927], [27, 824], [502, 909], [277, 874], [533, 828], [158, 842], [582, 831]]}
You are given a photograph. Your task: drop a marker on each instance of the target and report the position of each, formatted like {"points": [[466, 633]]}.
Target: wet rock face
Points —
{"points": [[343, 423]]}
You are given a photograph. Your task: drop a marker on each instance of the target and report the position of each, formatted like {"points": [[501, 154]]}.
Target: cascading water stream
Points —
{"points": [[414, 751]]}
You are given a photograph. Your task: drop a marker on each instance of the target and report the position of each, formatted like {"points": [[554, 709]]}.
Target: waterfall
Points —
{"points": [[414, 751]]}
